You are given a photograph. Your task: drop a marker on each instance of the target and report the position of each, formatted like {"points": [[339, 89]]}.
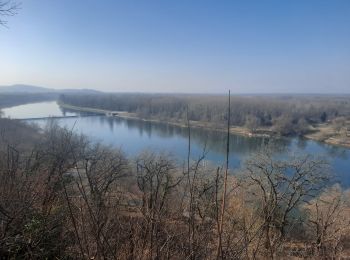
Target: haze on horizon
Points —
{"points": [[180, 46]]}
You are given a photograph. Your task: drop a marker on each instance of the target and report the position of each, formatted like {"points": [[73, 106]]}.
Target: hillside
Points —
{"points": [[30, 89]]}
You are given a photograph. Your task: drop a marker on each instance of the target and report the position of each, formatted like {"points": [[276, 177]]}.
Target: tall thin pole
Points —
{"points": [[219, 249], [190, 183]]}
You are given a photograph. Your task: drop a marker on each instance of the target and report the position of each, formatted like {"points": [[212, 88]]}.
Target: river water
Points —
{"points": [[134, 136]]}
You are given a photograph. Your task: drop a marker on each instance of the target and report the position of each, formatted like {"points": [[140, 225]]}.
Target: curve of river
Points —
{"points": [[134, 136]]}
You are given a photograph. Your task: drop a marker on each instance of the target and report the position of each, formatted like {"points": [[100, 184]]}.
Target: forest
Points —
{"points": [[65, 197], [280, 114]]}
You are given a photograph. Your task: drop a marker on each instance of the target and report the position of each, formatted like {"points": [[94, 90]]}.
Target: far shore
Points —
{"points": [[321, 133], [233, 129]]}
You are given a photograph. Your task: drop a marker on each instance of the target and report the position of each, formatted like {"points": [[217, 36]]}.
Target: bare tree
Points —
{"points": [[279, 187], [7, 8], [329, 221], [62, 196], [157, 180]]}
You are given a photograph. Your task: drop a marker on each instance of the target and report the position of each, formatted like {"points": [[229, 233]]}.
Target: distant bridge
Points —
{"points": [[94, 113], [50, 117]]}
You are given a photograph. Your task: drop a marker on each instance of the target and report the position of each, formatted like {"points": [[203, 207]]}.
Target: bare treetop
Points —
{"points": [[7, 8]]}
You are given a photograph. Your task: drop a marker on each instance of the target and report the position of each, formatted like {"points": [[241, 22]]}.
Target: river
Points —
{"points": [[134, 136]]}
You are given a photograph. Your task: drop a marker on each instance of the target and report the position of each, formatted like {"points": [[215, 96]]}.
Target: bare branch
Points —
{"points": [[8, 8]]}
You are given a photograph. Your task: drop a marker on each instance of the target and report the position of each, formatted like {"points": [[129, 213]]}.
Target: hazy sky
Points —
{"points": [[179, 45]]}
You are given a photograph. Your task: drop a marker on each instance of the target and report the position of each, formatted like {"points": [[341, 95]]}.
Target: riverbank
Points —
{"points": [[331, 134], [223, 128], [325, 133]]}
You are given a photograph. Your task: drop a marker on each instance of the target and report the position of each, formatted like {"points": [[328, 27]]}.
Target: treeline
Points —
{"points": [[284, 114], [63, 197]]}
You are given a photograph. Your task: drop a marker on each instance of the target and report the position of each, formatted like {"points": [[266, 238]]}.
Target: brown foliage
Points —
{"points": [[62, 196]]}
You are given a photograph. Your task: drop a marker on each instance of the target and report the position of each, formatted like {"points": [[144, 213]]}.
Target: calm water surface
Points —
{"points": [[135, 136], [36, 110]]}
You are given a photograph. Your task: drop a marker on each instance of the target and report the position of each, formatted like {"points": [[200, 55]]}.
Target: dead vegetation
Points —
{"points": [[64, 197], [281, 114], [335, 132]]}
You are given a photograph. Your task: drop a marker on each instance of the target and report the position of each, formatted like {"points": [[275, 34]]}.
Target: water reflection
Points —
{"points": [[37, 110], [144, 134], [213, 140], [134, 136]]}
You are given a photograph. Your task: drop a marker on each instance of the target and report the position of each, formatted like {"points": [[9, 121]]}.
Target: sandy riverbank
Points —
{"points": [[328, 134]]}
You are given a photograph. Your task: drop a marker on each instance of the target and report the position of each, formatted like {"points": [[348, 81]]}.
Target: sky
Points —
{"points": [[195, 46]]}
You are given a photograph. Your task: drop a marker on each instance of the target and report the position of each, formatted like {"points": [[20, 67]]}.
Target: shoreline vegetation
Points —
{"points": [[328, 133], [123, 114], [68, 198], [104, 204]]}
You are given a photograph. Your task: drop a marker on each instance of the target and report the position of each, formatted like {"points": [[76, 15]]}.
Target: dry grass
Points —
{"points": [[330, 133]]}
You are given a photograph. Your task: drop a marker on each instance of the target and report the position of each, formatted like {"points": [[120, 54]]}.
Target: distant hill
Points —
{"points": [[24, 89], [21, 88]]}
